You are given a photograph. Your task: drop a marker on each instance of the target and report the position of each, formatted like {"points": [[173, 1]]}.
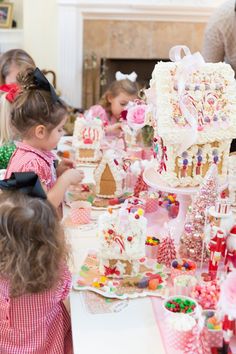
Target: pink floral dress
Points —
{"points": [[36, 323], [28, 159]]}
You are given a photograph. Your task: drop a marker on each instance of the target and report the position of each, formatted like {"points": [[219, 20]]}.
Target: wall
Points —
{"points": [[40, 32]]}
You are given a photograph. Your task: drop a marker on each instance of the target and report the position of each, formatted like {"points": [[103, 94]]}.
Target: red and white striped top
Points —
{"points": [[28, 159], [36, 323]]}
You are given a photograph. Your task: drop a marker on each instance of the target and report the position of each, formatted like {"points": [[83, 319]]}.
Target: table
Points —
{"points": [[133, 330]]}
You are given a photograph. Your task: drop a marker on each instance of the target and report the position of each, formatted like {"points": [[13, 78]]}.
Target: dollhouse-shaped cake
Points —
{"points": [[195, 120], [122, 236], [87, 136], [110, 175]]}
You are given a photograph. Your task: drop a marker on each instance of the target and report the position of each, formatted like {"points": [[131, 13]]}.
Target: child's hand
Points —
{"points": [[74, 176], [114, 128], [64, 165]]}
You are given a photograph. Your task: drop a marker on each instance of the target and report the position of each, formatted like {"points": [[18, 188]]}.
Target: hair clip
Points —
{"points": [[131, 77]]}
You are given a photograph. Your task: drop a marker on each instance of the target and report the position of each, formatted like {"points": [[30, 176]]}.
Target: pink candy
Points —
{"points": [[207, 294]]}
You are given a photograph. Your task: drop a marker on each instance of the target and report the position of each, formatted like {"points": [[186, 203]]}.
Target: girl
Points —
{"points": [[11, 63], [7, 145], [34, 279], [113, 102], [39, 116]]}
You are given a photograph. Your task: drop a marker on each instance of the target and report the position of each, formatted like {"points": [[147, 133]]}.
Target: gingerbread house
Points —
{"points": [[122, 236], [110, 175], [87, 136], [195, 120]]}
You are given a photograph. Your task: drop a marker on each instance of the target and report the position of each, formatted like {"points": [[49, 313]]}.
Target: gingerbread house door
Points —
{"points": [[107, 182]]}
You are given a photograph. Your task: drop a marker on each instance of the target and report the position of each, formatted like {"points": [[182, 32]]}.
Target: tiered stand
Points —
{"points": [[184, 197]]}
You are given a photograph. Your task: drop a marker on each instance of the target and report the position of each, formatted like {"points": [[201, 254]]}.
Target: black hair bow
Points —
{"points": [[42, 83], [25, 182]]}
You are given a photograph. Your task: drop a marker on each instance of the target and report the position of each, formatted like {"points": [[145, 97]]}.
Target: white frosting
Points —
{"points": [[127, 242], [117, 170], [91, 130], [171, 125]]}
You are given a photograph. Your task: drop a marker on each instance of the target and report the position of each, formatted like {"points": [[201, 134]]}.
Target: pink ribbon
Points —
{"points": [[187, 65]]}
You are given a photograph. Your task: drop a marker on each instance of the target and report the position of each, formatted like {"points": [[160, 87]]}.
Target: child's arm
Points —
{"points": [[114, 128], [56, 193]]}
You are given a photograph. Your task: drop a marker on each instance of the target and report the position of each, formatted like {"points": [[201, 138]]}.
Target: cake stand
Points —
{"points": [[184, 197]]}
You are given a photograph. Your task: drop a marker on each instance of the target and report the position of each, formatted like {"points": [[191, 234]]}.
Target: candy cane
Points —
{"points": [[83, 133], [118, 239]]}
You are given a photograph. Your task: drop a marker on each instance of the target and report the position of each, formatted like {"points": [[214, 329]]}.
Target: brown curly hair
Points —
{"points": [[126, 86], [34, 106], [32, 243]]}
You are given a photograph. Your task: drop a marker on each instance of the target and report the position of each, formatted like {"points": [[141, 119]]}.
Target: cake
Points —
{"points": [[195, 119], [122, 237], [87, 136], [110, 175]]}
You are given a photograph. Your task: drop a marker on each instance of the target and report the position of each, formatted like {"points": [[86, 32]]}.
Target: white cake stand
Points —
{"points": [[184, 197]]}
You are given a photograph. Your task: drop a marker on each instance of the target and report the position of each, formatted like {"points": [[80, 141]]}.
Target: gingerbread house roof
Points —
{"points": [[200, 104], [116, 164]]}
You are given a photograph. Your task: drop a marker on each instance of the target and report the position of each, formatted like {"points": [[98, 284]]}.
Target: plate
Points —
{"points": [[89, 278]]}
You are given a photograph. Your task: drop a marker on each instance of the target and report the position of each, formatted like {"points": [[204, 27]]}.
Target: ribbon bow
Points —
{"points": [[12, 91], [111, 271], [187, 65], [42, 83], [131, 77], [25, 182]]}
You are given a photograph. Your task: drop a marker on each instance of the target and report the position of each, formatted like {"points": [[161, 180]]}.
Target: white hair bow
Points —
{"points": [[120, 76]]}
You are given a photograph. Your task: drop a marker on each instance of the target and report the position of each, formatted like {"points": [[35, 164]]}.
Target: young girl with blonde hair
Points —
{"points": [[34, 278], [12, 62], [114, 100], [38, 116]]}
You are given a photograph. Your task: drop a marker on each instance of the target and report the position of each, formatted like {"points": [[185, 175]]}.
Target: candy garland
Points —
{"points": [[167, 251], [191, 241]]}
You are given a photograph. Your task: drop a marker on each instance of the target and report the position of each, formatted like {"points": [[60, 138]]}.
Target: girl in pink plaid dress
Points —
{"points": [[34, 279], [38, 117]]}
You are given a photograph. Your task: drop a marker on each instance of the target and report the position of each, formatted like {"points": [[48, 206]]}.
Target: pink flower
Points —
{"points": [[136, 116]]}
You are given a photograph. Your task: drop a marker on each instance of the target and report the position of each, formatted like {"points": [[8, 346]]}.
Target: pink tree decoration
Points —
{"points": [[166, 251], [192, 240]]}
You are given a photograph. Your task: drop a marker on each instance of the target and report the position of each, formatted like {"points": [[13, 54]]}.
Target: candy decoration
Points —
{"points": [[180, 305], [191, 241], [166, 252], [207, 295]]}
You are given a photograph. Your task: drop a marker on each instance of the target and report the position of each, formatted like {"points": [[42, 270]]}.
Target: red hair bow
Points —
{"points": [[12, 91]]}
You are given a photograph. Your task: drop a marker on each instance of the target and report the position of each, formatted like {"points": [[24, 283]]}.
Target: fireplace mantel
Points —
{"points": [[72, 13]]}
